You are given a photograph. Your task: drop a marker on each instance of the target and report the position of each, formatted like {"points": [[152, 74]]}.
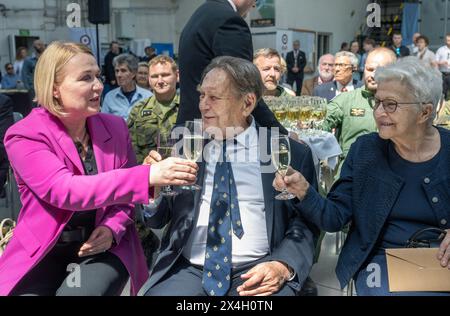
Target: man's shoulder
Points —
{"points": [[147, 103], [217, 10]]}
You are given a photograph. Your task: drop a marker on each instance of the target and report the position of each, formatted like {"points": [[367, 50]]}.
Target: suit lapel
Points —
{"points": [[65, 141]]}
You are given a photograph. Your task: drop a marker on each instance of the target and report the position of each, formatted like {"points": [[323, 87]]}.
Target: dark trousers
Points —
{"points": [[183, 279], [99, 275], [298, 82], [445, 84]]}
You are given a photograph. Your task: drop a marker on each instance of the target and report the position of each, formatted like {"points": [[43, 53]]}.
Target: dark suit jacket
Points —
{"points": [[291, 239], [328, 90], [214, 29], [365, 194], [301, 63], [110, 74]]}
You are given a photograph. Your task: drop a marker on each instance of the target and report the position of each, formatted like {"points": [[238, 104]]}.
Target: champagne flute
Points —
{"points": [[281, 158], [166, 147], [193, 145]]}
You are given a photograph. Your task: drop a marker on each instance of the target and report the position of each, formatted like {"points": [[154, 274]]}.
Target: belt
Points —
{"points": [[73, 235]]}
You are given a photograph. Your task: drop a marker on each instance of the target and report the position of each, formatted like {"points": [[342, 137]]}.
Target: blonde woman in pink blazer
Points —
{"points": [[77, 179]]}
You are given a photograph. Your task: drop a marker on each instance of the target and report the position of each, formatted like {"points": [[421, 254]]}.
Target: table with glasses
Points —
{"points": [[304, 116]]}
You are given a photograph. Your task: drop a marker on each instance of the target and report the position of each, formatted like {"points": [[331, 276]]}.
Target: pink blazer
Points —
{"points": [[49, 173]]}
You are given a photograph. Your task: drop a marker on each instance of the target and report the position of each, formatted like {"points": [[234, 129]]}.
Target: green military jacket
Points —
{"points": [[351, 114], [146, 119]]}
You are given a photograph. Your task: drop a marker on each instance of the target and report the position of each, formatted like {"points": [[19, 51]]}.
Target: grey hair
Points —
{"points": [[424, 81], [127, 59], [353, 59], [321, 57], [244, 75]]}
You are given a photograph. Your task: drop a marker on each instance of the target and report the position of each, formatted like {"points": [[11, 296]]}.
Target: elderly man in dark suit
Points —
{"points": [[296, 62], [6, 120], [216, 28], [344, 65], [234, 237]]}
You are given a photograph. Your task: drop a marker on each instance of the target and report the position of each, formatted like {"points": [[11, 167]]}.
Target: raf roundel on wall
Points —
{"points": [[284, 39], [85, 39]]}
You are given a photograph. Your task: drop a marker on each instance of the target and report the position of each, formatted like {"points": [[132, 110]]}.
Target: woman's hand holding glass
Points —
{"points": [[170, 171], [293, 182]]}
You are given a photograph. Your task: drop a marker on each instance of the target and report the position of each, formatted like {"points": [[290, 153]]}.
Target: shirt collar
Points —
{"points": [[247, 137], [340, 86], [233, 5]]}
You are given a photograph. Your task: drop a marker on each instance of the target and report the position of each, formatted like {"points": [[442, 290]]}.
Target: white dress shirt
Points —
{"points": [[442, 54], [244, 158], [233, 5], [349, 87]]}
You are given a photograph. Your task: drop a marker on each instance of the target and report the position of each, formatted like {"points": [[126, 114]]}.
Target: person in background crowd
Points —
{"points": [[21, 55], [270, 65], [142, 76], [344, 47], [368, 46], [423, 52], [326, 74], [355, 49], [296, 62], [443, 62], [343, 81], [109, 72], [158, 113], [397, 47], [413, 49], [6, 120], [150, 53], [11, 80], [120, 101], [30, 64]]}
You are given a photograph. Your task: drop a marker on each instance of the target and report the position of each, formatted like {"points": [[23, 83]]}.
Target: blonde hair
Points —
{"points": [[48, 72], [163, 59]]}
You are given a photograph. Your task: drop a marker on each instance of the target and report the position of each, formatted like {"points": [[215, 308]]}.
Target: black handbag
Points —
{"points": [[417, 241]]}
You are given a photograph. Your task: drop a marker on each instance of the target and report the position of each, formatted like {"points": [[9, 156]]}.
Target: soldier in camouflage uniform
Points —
{"points": [[271, 66], [157, 113]]}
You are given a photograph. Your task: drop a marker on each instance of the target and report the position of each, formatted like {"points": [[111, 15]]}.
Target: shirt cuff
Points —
{"points": [[151, 208]]}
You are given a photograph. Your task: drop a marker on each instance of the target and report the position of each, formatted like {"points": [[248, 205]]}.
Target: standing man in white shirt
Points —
{"points": [[443, 62], [239, 241]]}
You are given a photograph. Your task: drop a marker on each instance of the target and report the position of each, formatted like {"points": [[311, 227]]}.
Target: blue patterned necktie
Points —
{"points": [[224, 214]]}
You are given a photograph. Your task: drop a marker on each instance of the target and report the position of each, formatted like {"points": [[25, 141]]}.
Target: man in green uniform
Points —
{"points": [[158, 113], [350, 113]]}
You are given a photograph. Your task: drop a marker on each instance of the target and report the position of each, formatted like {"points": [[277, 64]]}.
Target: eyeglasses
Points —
{"points": [[327, 64], [342, 65], [389, 105]]}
